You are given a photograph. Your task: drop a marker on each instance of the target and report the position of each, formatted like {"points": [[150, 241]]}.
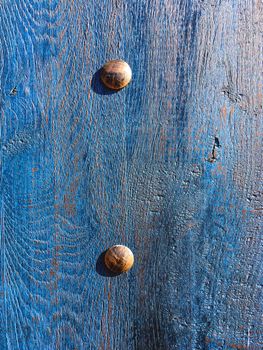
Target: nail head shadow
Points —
{"points": [[98, 87], [102, 269]]}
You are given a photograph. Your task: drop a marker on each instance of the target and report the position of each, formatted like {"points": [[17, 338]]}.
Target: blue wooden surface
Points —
{"points": [[170, 166]]}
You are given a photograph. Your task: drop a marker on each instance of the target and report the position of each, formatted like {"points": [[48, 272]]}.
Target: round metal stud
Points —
{"points": [[116, 74], [119, 258]]}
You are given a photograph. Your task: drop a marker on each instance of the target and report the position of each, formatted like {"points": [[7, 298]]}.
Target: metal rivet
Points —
{"points": [[119, 258], [116, 74]]}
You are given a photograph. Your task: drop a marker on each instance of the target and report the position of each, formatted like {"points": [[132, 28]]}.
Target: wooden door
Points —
{"points": [[170, 166]]}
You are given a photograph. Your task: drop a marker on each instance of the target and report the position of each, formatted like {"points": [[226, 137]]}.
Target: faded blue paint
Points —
{"points": [[83, 168]]}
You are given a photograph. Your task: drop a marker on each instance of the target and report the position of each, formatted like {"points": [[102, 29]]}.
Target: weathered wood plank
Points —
{"points": [[170, 166]]}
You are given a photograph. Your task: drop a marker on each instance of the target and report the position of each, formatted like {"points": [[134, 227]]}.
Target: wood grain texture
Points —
{"points": [[171, 166]]}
